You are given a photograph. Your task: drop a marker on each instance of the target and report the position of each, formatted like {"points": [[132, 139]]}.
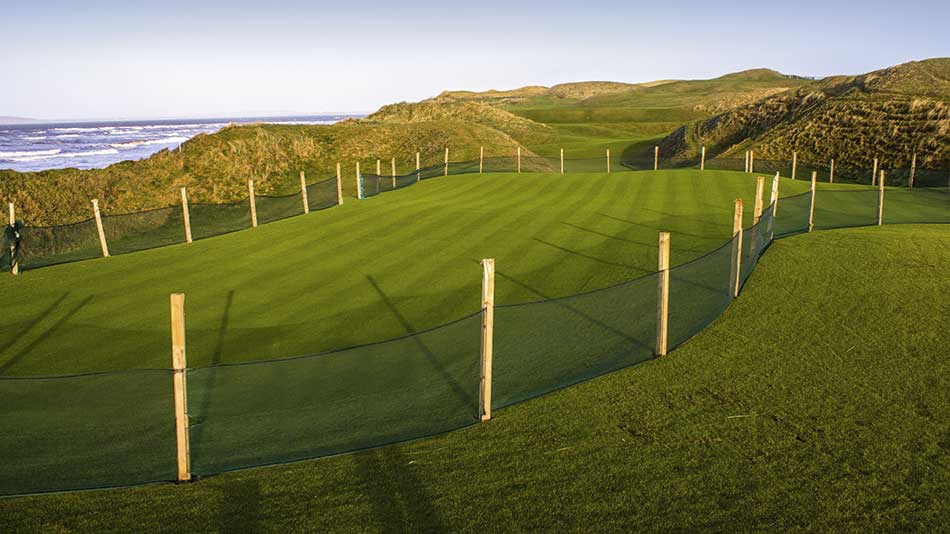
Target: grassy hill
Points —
{"points": [[889, 114], [794, 411]]}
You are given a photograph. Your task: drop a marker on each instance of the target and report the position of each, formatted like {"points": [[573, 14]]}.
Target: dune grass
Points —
{"points": [[817, 402]]}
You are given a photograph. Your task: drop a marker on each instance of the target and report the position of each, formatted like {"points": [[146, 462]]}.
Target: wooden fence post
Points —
{"points": [[180, 366], [608, 161], [379, 168], [481, 159], [874, 173], [519, 159], [418, 174], [751, 161], [303, 193], [811, 207], [102, 234], [663, 294], [186, 215], [736, 270], [562, 161], [913, 170], [488, 326], [745, 167], [702, 160], [774, 207], [794, 164], [359, 182], [14, 264], [446, 161], [831, 175], [759, 193], [339, 185], [880, 200], [250, 194], [656, 158], [394, 172]]}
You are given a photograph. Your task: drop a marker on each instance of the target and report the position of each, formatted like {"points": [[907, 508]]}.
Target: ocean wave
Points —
{"points": [[35, 137], [28, 153], [78, 129], [37, 157], [67, 136], [164, 141]]}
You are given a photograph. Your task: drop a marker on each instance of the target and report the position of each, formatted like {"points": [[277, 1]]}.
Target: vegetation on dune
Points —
{"points": [[889, 114]]}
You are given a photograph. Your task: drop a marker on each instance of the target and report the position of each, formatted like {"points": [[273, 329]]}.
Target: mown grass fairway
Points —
{"points": [[367, 271], [817, 402]]}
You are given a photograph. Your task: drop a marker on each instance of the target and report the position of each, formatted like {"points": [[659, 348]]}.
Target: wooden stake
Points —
{"points": [[656, 158], [446, 161], [608, 161], [379, 168], [359, 182], [831, 175], [751, 161], [874, 173], [774, 207], [481, 159], [394, 172], [339, 185], [745, 168], [303, 193], [913, 170], [811, 207], [562, 161], [519, 159], [180, 366], [663, 295], [14, 264], [794, 164], [736, 268], [880, 201], [759, 193], [488, 327], [250, 194], [702, 159], [102, 234], [186, 215]]}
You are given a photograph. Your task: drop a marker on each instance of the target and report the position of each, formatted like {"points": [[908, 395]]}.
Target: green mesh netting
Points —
{"points": [[547, 345], [699, 292], [322, 195], [209, 220], [916, 206], [41, 246], [86, 431], [792, 215], [275, 208], [844, 208], [143, 230], [283, 410]]}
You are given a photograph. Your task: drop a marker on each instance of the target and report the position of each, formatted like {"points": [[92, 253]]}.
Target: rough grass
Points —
{"points": [[816, 403]]}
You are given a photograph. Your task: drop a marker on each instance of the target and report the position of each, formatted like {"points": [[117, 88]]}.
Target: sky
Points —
{"points": [[131, 60]]}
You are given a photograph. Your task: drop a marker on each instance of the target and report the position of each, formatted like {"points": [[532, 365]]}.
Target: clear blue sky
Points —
{"points": [[121, 59]]}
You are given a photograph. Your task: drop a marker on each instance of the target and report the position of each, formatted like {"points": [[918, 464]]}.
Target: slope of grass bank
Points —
{"points": [[817, 402]]}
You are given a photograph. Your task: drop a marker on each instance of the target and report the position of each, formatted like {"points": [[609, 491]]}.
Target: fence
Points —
{"points": [[134, 427], [31, 247]]}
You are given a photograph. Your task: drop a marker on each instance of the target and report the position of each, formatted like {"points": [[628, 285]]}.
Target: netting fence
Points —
{"points": [[40, 246], [118, 428]]}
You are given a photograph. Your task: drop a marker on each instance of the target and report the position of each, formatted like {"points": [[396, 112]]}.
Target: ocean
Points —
{"points": [[93, 145]]}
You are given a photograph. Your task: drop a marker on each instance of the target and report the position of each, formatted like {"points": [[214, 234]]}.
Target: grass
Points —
{"points": [[367, 271], [816, 403]]}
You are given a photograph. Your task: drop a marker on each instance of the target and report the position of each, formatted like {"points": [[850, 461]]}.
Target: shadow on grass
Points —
{"points": [[457, 388], [49, 331], [240, 507], [399, 499]]}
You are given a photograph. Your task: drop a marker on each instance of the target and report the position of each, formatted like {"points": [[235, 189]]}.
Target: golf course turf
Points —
{"points": [[817, 401]]}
